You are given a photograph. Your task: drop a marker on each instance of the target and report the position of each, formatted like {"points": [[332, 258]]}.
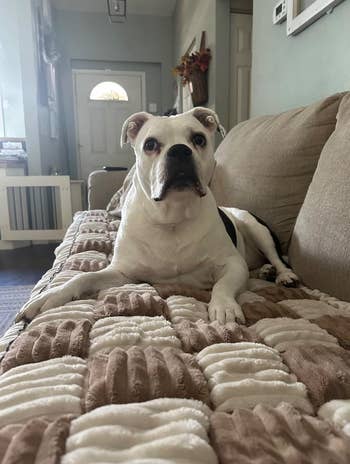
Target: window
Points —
{"points": [[108, 91]]}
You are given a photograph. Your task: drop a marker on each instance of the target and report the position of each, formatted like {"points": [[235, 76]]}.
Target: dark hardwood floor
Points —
{"points": [[25, 266]]}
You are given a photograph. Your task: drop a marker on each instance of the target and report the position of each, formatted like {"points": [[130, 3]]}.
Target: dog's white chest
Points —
{"points": [[161, 254], [188, 248]]}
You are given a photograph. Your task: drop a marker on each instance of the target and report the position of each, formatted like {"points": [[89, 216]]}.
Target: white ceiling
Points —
{"points": [[141, 7]]}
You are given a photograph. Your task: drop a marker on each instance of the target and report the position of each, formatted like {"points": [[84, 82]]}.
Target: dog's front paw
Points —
{"points": [[287, 279], [225, 310], [50, 299]]}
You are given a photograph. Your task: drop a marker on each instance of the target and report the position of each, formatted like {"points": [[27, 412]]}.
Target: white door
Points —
{"points": [[240, 67], [103, 101]]}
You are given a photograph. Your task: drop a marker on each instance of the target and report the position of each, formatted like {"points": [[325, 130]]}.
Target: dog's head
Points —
{"points": [[173, 154]]}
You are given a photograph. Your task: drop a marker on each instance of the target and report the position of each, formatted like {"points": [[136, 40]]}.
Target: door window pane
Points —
{"points": [[108, 91]]}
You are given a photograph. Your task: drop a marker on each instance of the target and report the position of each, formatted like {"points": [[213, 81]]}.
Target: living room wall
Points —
{"points": [[293, 71]]}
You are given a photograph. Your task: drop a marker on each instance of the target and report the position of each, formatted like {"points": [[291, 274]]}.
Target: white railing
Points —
{"points": [[27, 212]]}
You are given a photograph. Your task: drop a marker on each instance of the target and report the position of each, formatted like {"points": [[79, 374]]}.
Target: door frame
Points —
{"points": [[234, 13], [75, 73]]}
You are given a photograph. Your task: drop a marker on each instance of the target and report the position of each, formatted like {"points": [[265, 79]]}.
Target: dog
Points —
{"points": [[171, 230]]}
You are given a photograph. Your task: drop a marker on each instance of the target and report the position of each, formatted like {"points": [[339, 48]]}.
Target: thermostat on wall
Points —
{"points": [[279, 12]]}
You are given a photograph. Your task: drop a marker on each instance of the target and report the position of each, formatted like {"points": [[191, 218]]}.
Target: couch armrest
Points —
{"points": [[102, 185]]}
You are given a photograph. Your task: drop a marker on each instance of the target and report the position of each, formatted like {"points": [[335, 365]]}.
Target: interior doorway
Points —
{"points": [[240, 66], [103, 100]]}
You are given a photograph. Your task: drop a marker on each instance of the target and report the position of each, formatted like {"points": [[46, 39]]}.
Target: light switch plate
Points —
{"points": [[279, 13]]}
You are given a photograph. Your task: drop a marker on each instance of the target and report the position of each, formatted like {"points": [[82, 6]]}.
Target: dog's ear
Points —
{"points": [[132, 126], [209, 119]]}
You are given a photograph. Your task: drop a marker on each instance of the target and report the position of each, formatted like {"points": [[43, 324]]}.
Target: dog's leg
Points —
{"points": [[73, 289], [231, 281], [262, 239]]}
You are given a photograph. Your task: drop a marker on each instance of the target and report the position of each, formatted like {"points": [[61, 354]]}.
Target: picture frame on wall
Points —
{"points": [[300, 17]]}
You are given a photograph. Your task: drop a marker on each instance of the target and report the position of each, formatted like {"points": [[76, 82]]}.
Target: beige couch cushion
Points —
{"points": [[320, 246], [265, 165]]}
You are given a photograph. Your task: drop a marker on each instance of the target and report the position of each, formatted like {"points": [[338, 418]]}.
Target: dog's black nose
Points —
{"points": [[179, 151]]}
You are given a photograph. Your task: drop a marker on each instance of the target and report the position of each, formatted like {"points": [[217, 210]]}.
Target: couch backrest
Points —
{"points": [[102, 185], [265, 164], [320, 246]]}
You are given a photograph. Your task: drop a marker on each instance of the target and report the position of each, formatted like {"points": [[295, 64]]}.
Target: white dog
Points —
{"points": [[171, 230]]}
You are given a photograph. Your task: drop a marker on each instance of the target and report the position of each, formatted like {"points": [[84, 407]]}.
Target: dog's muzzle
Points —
{"points": [[180, 172]]}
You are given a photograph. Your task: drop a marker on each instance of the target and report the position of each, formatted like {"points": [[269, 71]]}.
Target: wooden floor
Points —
{"points": [[25, 266]]}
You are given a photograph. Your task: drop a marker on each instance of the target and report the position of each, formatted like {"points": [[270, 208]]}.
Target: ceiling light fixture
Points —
{"points": [[116, 10]]}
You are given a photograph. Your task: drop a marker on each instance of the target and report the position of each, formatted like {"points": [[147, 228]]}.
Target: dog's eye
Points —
{"points": [[151, 144], [199, 140]]}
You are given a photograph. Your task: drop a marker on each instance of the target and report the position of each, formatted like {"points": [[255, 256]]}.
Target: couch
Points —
{"points": [[137, 374]]}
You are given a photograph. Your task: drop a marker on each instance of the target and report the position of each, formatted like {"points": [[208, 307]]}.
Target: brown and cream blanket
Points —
{"points": [[138, 374]]}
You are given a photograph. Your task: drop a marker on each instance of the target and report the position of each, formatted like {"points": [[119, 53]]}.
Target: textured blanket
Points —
{"points": [[138, 374]]}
